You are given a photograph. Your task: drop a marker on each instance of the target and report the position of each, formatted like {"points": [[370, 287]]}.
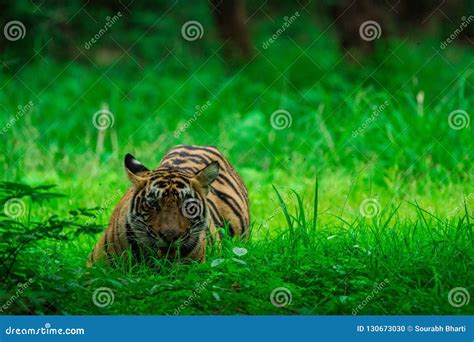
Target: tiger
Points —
{"points": [[173, 211]]}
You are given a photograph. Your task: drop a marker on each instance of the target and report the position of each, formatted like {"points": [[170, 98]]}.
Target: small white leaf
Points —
{"points": [[217, 262], [239, 261], [216, 296], [239, 251]]}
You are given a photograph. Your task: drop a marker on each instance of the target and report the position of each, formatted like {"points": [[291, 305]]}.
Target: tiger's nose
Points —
{"points": [[169, 235]]}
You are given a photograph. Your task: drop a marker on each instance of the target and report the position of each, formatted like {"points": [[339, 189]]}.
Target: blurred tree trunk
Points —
{"points": [[403, 17], [350, 15], [3, 21], [230, 16]]}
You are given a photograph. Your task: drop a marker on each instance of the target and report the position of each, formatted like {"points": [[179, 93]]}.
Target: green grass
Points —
{"points": [[328, 269], [417, 168]]}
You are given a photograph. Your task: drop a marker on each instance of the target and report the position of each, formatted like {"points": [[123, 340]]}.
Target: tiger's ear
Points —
{"points": [[207, 175], [134, 168]]}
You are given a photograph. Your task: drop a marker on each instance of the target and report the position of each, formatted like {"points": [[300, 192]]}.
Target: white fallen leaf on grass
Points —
{"points": [[239, 261], [239, 251], [216, 296], [217, 262]]}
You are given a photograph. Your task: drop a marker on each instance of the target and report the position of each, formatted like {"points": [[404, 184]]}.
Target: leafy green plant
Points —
{"points": [[21, 231]]}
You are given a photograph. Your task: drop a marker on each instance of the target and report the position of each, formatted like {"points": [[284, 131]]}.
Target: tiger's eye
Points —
{"points": [[180, 185]]}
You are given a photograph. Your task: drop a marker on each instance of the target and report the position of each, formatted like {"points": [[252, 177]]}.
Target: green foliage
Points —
{"points": [[23, 234], [332, 270]]}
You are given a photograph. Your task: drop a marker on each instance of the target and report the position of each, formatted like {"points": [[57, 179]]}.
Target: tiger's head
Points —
{"points": [[168, 210]]}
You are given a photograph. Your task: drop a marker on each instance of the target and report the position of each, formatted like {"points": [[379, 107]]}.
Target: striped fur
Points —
{"points": [[170, 211]]}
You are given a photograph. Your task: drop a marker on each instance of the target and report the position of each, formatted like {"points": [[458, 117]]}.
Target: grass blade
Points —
{"points": [[285, 210], [315, 204]]}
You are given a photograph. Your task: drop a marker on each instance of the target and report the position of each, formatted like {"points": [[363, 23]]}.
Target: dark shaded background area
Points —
{"points": [[60, 28]]}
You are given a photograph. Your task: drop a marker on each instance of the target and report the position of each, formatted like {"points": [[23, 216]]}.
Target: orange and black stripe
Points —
{"points": [[228, 199], [226, 203]]}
